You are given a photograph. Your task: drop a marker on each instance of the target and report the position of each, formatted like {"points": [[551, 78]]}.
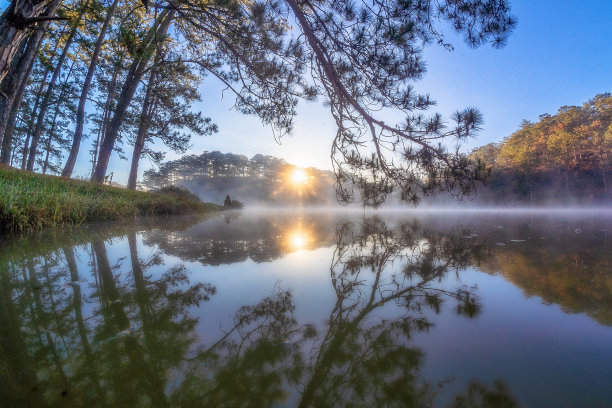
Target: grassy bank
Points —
{"points": [[31, 201]]}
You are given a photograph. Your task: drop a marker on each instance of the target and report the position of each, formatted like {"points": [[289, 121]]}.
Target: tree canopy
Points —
{"points": [[263, 180], [360, 58], [565, 155]]}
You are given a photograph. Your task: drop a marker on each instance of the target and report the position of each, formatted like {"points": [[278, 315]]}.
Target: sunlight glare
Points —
{"points": [[299, 176], [298, 240]]}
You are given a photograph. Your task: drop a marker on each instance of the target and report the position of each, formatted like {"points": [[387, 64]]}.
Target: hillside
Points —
{"points": [[565, 158]]}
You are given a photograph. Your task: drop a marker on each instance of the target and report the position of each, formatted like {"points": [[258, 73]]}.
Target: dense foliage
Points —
{"points": [[258, 180], [565, 157], [127, 71]]}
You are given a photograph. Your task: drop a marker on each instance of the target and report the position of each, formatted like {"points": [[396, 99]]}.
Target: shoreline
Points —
{"points": [[31, 202]]}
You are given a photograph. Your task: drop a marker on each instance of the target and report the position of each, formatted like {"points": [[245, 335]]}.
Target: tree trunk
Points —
{"points": [[47, 98], [54, 121], [50, 140], [15, 26], [143, 126], [48, 148], [9, 87], [24, 158], [39, 95], [135, 73], [7, 127], [80, 116], [105, 113], [138, 146]]}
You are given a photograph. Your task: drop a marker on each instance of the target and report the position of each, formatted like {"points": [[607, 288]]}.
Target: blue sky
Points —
{"points": [[559, 54]]}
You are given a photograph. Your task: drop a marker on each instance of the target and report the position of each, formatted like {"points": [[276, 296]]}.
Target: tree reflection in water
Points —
{"points": [[128, 339], [237, 238], [115, 345]]}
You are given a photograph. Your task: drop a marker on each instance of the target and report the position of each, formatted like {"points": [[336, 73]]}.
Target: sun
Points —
{"points": [[299, 176]]}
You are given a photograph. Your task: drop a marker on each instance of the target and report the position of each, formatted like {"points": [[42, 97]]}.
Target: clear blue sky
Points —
{"points": [[560, 54]]}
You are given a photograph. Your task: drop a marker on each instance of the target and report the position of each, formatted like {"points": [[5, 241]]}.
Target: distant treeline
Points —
{"points": [[564, 158], [258, 180]]}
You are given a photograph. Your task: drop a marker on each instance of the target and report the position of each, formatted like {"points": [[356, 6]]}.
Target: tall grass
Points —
{"points": [[31, 201]]}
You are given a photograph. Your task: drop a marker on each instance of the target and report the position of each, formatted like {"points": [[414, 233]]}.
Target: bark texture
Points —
{"points": [[16, 24]]}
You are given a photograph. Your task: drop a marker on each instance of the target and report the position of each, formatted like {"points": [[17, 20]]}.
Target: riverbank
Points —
{"points": [[30, 201]]}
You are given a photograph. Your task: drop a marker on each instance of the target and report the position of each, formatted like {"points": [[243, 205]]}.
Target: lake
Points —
{"points": [[311, 309]]}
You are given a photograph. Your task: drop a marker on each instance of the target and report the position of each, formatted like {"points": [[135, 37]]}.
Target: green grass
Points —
{"points": [[30, 201]]}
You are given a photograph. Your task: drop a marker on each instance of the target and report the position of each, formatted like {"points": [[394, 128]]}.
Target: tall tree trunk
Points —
{"points": [[10, 85], [144, 123], [47, 99], [110, 98], [94, 152], [38, 98], [15, 26], [54, 121], [80, 116], [49, 142], [7, 127], [135, 73], [24, 157]]}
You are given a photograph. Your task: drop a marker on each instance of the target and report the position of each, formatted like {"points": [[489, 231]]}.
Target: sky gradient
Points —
{"points": [[559, 54]]}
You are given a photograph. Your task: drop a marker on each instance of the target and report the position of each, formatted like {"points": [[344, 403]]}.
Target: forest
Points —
{"points": [[259, 180], [561, 158], [110, 65], [123, 77]]}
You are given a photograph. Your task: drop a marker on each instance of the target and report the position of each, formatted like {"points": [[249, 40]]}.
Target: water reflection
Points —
{"points": [[562, 267], [363, 358], [237, 238], [299, 236], [105, 322], [102, 336]]}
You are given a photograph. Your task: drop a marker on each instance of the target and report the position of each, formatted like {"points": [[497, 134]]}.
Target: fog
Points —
{"points": [[438, 209]]}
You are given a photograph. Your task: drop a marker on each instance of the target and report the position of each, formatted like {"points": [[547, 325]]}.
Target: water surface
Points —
{"points": [[311, 309]]}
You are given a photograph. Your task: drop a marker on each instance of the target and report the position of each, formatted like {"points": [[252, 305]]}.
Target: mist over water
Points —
{"points": [[313, 307], [354, 209]]}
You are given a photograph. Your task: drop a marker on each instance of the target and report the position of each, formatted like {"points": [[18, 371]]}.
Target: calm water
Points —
{"points": [[311, 309]]}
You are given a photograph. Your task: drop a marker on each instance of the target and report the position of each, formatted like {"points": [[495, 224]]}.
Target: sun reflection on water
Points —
{"points": [[298, 237], [298, 240]]}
